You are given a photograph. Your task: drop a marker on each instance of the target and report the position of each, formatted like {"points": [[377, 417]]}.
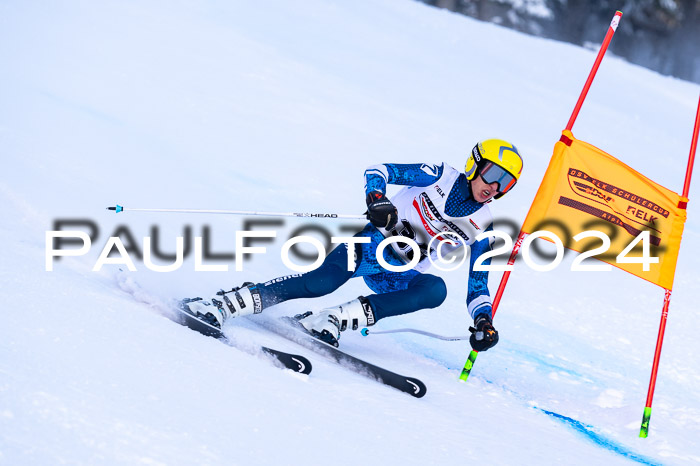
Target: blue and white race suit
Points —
{"points": [[435, 202]]}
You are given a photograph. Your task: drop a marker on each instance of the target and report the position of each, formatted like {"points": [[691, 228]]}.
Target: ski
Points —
{"points": [[126, 283], [295, 362], [288, 328]]}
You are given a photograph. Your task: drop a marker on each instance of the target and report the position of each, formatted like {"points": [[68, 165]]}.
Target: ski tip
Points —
{"points": [[364, 332], [294, 362], [304, 365], [116, 208], [418, 388]]}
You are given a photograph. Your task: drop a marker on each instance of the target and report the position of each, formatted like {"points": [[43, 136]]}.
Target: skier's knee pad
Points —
{"points": [[433, 290]]}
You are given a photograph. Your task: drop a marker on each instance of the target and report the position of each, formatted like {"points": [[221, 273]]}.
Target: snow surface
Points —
{"points": [[280, 106]]}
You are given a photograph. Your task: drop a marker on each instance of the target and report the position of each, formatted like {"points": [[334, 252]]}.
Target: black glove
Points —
{"points": [[484, 336], [380, 211]]}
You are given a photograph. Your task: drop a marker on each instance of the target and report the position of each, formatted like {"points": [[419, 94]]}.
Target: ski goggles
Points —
{"points": [[492, 173]]}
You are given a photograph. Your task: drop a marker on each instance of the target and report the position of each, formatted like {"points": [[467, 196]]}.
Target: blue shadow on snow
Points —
{"points": [[600, 440]]}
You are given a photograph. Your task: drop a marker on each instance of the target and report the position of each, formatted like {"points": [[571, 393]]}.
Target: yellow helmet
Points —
{"points": [[496, 161]]}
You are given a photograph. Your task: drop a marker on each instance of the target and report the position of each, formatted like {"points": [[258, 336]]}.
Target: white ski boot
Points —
{"points": [[240, 301], [327, 324]]}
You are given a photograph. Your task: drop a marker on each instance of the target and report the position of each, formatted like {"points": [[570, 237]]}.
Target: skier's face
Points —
{"points": [[481, 191]]}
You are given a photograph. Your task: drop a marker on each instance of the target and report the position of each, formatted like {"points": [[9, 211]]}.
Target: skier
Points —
{"points": [[436, 199]]}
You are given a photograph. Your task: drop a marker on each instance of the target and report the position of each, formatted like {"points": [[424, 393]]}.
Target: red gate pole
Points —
{"points": [[693, 149], [644, 431], [603, 48], [506, 275]]}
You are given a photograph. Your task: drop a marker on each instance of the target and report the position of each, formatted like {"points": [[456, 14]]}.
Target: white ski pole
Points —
{"points": [[365, 332], [119, 208]]}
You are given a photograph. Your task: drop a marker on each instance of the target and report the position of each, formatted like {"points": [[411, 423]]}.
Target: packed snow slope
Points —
{"points": [[280, 106]]}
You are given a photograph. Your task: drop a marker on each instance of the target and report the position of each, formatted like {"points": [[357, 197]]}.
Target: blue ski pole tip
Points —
{"points": [[117, 209], [364, 332]]}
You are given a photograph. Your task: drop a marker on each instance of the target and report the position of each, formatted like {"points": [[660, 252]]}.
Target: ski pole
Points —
{"points": [[119, 208], [464, 375], [365, 332]]}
